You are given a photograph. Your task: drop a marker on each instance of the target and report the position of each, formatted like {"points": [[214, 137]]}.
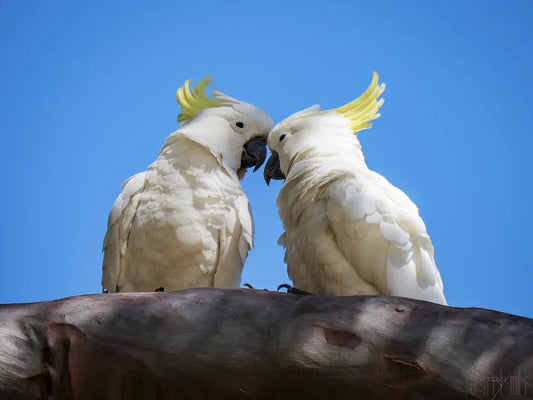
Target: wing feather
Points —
{"points": [[118, 230], [382, 236], [236, 240]]}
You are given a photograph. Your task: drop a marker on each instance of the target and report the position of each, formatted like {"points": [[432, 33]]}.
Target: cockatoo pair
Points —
{"points": [[186, 222]]}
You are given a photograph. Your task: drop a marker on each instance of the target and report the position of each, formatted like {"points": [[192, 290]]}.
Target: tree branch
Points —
{"points": [[250, 344]]}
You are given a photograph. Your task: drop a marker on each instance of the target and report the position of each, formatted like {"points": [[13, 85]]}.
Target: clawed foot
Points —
{"points": [[251, 287], [292, 290], [160, 289]]}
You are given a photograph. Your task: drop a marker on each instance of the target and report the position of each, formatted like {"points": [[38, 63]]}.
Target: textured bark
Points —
{"points": [[250, 344]]}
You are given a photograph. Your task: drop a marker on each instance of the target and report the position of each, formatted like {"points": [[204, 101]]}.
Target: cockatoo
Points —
{"points": [[348, 231], [186, 222]]}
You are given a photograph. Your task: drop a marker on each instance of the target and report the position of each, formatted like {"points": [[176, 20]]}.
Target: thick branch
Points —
{"points": [[248, 344]]}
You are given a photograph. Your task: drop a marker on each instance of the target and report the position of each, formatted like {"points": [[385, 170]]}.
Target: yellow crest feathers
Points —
{"points": [[192, 101], [365, 108]]}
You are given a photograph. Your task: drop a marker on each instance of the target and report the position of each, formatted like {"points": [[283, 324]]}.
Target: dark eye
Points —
{"points": [[239, 126], [282, 137]]}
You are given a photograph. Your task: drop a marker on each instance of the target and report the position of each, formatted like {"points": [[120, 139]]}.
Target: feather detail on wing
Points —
{"points": [[236, 239], [382, 236], [118, 230]]}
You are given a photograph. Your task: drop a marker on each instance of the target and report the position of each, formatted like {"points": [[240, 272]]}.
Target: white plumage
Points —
{"points": [[186, 222], [348, 231]]}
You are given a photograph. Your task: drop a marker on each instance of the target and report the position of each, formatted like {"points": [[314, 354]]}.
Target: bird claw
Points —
{"points": [[251, 287], [292, 290]]}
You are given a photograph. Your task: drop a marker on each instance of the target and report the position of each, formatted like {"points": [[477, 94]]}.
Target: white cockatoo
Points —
{"points": [[186, 222], [348, 231]]}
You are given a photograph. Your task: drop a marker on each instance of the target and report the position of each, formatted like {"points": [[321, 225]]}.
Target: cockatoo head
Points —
{"points": [[321, 131], [235, 132]]}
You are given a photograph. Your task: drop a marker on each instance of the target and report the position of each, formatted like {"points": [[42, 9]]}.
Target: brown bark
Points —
{"points": [[250, 344]]}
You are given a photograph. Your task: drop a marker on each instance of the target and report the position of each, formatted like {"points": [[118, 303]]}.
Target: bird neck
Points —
{"points": [[183, 151], [329, 158], [311, 173], [213, 133]]}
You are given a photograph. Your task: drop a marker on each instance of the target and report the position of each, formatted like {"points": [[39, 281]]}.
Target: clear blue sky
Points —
{"points": [[87, 98]]}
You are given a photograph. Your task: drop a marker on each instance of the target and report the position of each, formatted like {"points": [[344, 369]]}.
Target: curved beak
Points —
{"points": [[253, 153], [272, 169]]}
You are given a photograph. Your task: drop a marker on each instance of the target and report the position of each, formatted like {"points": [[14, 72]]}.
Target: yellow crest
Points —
{"points": [[192, 101], [365, 108]]}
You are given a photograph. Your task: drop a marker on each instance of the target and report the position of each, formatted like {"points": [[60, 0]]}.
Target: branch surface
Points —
{"points": [[252, 344]]}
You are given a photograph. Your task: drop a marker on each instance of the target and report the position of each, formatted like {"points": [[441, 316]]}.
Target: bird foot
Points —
{"points": [[251, 287], [292, 290], [160, 289]]}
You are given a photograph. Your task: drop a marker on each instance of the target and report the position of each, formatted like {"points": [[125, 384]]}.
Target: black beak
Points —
{"points": [[254, 153], [272, 169]]}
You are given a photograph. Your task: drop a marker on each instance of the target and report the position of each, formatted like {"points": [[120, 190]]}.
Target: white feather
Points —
{"points": [[186, 222], [347, 229]]}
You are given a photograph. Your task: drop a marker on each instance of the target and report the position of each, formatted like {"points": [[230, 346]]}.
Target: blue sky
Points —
{"points": [[87, 98]]}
